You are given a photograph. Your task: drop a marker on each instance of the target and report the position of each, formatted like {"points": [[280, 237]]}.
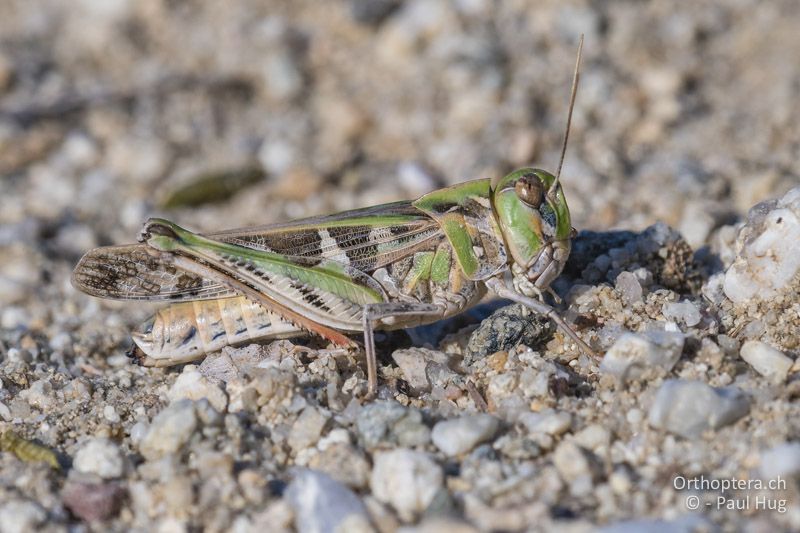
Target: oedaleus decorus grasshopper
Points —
{"points": [[385, 267]]}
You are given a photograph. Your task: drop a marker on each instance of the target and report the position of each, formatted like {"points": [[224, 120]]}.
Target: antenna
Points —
{"points": [[575, 77]]}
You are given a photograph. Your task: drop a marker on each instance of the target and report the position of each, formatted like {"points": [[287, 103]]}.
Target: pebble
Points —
{"points": [[682, 524], [100, 457], [688, 408], [39, 394], [110, 414], [372, 12], [460, 435], [308, 428], [641, 355], [230, 363], [323, 505], [343, 462], [281, 75], [781, 461], [390, 422], [414, 362], [574, 467], [697, 222], [170, 430], [20, 516], [192, 385], [407, 480], [685, 311], [766, 360], [627, 284], [593, 437], [93, 501], [765, 265], [547, 422], [506, 328]]}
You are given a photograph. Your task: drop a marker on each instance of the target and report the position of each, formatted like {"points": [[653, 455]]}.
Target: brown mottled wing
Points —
{"points": [[129, 272], [365, 239]]}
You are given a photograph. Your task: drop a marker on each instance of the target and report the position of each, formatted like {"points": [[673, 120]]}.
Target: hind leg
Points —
{"points": [[372, 315]]}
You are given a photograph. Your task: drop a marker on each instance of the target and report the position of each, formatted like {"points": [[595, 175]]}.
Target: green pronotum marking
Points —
{"points": [[458, 194]]}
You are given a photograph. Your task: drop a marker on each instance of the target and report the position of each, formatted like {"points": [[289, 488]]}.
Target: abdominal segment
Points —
{"points": [[184, 332]]}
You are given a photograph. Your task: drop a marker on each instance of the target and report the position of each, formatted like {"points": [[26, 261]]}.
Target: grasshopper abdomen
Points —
{"points": [[184, 332]]}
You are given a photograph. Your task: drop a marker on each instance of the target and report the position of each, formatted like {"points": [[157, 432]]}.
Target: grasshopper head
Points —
{"points": [[534, 218]]}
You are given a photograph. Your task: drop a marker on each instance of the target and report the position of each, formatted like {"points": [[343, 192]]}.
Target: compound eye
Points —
{"points": [[529, 190]]}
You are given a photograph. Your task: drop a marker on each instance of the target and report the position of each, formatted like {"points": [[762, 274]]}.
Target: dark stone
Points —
{"points": [[373, 12], [505, 328]]}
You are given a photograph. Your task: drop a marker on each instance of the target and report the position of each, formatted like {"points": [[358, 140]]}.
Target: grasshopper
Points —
{"points": [[390, 266]]}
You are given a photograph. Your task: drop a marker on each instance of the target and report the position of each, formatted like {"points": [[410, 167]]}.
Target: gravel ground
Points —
{"points": [[233, 114]]}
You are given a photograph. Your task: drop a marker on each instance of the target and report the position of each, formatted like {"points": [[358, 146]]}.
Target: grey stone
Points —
{"points": [[781, 461], [407, 480], [460, 435], [627, 284], [641, 355], [685, 311], [323, 505], [506, 328], [688, 408], [766, 360], [170, 430], [193, 385], [385, 421], [415, 362], [548, 422], [307, 428]]}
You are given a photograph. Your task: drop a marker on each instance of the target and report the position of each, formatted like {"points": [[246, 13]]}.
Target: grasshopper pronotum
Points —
{"points": [[390, 266]]}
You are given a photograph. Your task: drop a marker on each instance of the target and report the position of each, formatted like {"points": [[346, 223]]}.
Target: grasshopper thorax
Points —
{"points": [[534, 219]]}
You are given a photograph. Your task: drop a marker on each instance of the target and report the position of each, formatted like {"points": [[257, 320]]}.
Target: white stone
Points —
{"points": [[192, 385], [685, 311], [766, 360], [640, 355], [460, 435], [547, 422], [781, 461], [100, 457], [697, 222], [170, 430], [593, 437], [39, 394], [19, 516], [414, 364], [572, 463], [405, 479], [110, 414], [307, 429], [687, 408], [765, 264], [629, 287], [322, 504]]}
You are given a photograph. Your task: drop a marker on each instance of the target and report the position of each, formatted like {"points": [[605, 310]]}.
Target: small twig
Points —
{"points": [[477, 399]]}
